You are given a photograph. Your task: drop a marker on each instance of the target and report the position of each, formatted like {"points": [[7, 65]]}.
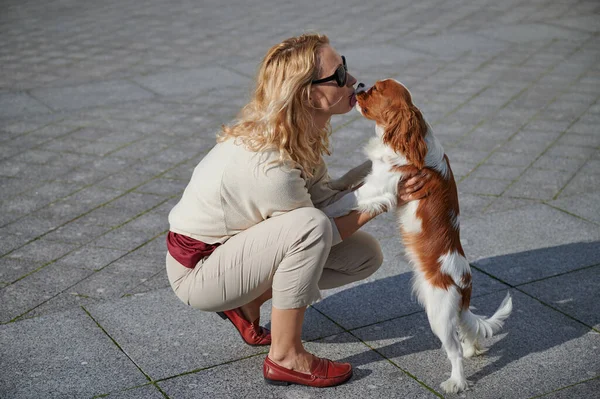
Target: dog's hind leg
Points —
{"points": [[442, 312]]}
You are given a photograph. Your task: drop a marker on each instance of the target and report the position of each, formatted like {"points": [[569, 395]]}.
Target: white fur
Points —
{"points": [[454, 219], [407, 217], [456, 266]]}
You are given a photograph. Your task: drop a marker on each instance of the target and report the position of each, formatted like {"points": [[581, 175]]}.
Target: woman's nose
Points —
{"points": [[351, 80]]}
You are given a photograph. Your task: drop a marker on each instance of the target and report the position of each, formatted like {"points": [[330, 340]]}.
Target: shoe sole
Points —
{"points": [[286, 383], [275, 382]]}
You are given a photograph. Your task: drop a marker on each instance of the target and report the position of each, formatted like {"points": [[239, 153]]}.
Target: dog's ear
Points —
{"points": [[405, 134]]}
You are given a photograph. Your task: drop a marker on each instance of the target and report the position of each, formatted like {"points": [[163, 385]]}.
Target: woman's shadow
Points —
{"points": [[396, 326]]}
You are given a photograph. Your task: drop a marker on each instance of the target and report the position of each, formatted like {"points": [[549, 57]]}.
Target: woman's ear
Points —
{"points": [[405, 134]]}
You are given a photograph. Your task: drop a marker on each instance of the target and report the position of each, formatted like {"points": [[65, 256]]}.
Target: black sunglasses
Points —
{"points": [[340, 75]]}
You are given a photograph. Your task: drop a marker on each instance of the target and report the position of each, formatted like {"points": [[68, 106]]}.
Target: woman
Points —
{"points": [[248, 227]]}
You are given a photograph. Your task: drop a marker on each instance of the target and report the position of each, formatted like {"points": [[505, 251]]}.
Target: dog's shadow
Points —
{"points": [[531, 328]]}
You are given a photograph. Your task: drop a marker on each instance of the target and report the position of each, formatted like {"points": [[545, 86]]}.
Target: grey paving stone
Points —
{"points": [[509, 159], [20, 104], [90, 94], [584, 22], [580, 140], [109, 216], [552, 162], [502, 204], [529, 243], [472, 204], [62, 302], [476, 185], [92, 258], [38, 287], [148, 391], [409, 343], [12, 269], [42, 251], [190, 81], [112, 282], [10, 241], [63, 356], [585, 389], [373, 377], [151, 222], [137, 201], [586, 205], [498, 172], [124, 238], [456, 43], [156, 282], [575, 293], [539, 184], [163, 187], [185, 339], [76, 232], [364, 58], [560, 150], [582, 182]]}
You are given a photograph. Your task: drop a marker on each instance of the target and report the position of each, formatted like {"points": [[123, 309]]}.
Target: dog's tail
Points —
{"points": [[481, 327]]}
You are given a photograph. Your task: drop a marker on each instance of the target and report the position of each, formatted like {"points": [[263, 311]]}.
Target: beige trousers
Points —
{"points": [[290, 253]]}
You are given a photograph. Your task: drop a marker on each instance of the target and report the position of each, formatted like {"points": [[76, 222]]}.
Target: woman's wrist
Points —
{"points": [[350, 223]]}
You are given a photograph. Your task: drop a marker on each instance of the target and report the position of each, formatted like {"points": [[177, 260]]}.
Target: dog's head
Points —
{"points": [[389, 104]]}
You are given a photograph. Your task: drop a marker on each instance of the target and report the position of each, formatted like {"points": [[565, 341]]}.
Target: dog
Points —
{"points": [[429, 227]]}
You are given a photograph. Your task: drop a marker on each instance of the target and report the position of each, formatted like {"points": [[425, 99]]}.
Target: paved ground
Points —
{"points": [[105, 108]]}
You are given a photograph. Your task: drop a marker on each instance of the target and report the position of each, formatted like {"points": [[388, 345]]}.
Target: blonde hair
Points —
{"points": [[278, 115]]}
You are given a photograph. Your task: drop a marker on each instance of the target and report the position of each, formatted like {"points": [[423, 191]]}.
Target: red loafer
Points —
{"points": [[251, 333], [323, 373]]}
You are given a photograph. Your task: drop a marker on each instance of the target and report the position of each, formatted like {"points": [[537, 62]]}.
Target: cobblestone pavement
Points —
{"points": [[106, 107]]}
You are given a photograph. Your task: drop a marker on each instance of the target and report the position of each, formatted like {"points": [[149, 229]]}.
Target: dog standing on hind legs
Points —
{"points": [[429, 227]]}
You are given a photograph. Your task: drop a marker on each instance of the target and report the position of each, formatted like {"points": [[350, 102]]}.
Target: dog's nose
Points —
{"points": [[360, 88]]}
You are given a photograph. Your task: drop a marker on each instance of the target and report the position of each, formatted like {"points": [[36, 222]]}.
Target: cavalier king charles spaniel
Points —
{"points": [[429, 227]]}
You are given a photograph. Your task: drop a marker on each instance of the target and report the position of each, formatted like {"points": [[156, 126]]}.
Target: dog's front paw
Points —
{"points": [[454, 386]]}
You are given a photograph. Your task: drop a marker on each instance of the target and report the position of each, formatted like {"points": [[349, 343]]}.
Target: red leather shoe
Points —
{"points": [[251, 333], [323, 373]]}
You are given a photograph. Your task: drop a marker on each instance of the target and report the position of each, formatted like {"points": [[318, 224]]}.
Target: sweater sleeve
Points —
{"points": [[321, 191]]}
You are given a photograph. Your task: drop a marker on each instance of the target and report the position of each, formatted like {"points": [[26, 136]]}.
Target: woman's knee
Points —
{"points": [[313, 224], [372, 252]]}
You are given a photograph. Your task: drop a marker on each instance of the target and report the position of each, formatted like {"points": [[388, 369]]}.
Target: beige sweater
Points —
{"points": [[233, 188]]}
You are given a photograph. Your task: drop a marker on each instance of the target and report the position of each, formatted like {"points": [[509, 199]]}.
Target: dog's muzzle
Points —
{"points": [[360, 88]]}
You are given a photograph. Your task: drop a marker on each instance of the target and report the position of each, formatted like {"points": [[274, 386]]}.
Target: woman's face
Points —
{"points": [[328, 98]]}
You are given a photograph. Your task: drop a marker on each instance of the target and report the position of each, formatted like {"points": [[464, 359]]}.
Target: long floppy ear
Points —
{"points": [[405, 134]]}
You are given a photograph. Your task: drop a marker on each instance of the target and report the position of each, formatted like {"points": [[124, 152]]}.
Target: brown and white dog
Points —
{"points": [[429, 227]]}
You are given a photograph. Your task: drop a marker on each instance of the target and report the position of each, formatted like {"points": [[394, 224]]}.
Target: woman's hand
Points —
{"points": [[412, 187]]}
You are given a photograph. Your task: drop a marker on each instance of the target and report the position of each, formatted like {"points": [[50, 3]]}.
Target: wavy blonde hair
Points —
{"points": [[279, 114]]}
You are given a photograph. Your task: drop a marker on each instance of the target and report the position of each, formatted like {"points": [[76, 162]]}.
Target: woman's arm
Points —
{"points": [[351, 222]]}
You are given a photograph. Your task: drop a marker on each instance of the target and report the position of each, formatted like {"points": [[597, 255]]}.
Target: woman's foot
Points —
{"points": [[251, 312], [251, 333], [300, 362], [321, 372]]}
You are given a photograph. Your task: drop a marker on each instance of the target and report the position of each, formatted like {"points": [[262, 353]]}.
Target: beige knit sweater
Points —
{"points": [[233, 188]]}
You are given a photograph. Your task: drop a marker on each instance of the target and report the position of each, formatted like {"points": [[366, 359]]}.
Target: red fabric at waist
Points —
{"points": [[186, 250]]}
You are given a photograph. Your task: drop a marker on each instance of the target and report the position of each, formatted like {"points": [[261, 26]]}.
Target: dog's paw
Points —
{"points": [[454, 386], [470, 350]]}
